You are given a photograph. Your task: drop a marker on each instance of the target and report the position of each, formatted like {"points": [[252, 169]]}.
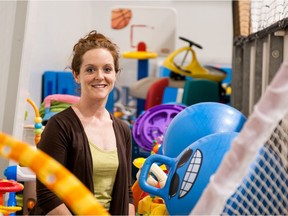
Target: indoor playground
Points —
{"points": [[205, 98]]}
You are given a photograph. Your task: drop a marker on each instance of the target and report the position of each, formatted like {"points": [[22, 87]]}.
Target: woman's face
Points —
{"points": [[97, 74]]}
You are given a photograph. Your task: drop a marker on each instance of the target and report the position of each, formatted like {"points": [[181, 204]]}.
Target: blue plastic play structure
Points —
{"points": [[193, 147]]}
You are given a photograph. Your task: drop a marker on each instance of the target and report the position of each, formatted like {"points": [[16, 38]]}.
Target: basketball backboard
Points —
{"points": [[154, 26]]}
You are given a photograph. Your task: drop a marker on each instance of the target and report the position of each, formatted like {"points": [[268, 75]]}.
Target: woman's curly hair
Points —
{"points": [[93, 40]]}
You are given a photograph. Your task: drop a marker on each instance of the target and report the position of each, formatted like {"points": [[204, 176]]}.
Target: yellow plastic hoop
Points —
{"points": [[52, 174]]}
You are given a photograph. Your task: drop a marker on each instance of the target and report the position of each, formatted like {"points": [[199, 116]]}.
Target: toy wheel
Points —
{"points": [[153, 124]]}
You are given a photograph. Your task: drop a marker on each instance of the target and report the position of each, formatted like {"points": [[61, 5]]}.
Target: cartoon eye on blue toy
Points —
{"points": [[189, 173]]}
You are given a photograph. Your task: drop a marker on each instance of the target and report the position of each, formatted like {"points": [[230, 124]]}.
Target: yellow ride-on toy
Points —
{"points": [[179, 68]]}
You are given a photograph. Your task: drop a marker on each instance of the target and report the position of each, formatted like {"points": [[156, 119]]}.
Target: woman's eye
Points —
{"points": [[90, 70], [108, 69]]}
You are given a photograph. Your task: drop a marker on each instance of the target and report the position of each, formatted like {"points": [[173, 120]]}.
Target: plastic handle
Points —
{"points": [[146, 170]]}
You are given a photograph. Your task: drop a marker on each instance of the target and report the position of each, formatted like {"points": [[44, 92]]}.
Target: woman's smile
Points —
{"points": [[99, 85]]}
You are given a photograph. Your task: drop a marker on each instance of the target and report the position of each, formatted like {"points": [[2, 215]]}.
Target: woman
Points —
{"points": [[86, 138]]}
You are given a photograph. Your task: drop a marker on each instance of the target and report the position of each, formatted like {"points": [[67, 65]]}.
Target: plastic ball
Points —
{"points": [[37, 119], [38, 131], [37, 139], [38, 125], [120, 18], [197, 121]]}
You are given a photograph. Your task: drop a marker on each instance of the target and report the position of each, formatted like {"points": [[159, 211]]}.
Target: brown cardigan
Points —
{"points": [[65, 140]]}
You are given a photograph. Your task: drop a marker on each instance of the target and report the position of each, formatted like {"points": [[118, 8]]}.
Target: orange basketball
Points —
{"points": [[120, 18]]}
